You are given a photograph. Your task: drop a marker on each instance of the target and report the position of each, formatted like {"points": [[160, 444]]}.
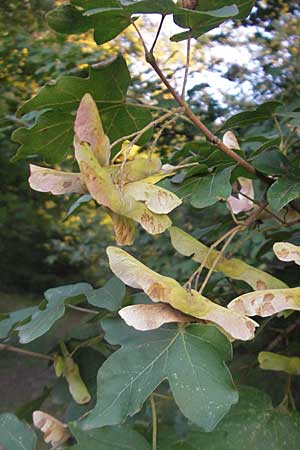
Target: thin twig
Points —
{"points": [[266, 209], [154, 423], [214, 140], [10, 348], [282, 336], [84, 310], [87, 343], [205, 260], [187, 65], [138, 134], [158, 33], [281, 145], [217, 259]]}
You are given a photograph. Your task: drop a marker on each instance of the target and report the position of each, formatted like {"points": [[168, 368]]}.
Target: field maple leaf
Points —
{"points": [[127, 190]]}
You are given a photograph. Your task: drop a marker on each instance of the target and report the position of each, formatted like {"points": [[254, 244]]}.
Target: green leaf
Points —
{"points": [[283, 191], [43, 319], [252, 424], [51, 137], [109, 296], [208, 190], [191, 358], [261, 113], [83, 199], [108, 19], [107, 24], [15, 435], [52, 134], [271, 163], [109, 438], [219, 11], [10, 320]]}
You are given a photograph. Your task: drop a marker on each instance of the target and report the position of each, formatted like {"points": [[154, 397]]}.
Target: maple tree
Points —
{"points": [[170, 331]]}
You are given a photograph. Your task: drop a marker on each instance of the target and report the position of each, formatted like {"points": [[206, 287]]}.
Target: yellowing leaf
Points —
{"points": [[164, 289], [135, 170], [287, 252], [114, 186], [151, 317], [55, 432], [54, 181], [231, 141], [281, 363], [233, 268], [157, 199], [88, 128], [266, 303], [124, 229], [241, 203]]}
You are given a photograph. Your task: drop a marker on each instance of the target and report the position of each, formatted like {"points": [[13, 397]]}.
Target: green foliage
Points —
{"points": [[15, 435], [283, 191], [209, 190], [109, 438], [192, 359], [108, 85], [251, 424], [109, 296], [46, 315], [109, 19]]}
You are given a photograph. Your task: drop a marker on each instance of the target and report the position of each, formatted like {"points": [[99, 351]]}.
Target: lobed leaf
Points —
{"points": [[45, 317], [11, 320], [15, 435], [108, 19], [109, 438], [191, 358], [252, 424], [109, 297], [51, 136]]}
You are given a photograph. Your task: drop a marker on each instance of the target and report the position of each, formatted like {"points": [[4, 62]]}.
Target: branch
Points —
{"points": [[214, 140], [10, 348], [154, 423]]}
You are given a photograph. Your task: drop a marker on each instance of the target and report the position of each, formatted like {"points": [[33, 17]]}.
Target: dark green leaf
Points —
{"points": [[208, 190], [271, 163], [43, 319], [108, 19], [51, 137], [15, 435], [109, 296], [261, 113], [252, 424], [107, 24], [52, 134], [109, 438], [191, 358], [14, 318], [83, 199], [283, 191]]}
